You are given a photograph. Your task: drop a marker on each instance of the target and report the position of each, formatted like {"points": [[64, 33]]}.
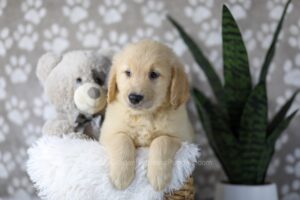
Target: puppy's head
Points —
{"points": [[146, 75]]}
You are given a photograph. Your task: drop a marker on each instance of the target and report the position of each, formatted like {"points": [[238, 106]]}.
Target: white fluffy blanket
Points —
{"points": [[77, 169]]}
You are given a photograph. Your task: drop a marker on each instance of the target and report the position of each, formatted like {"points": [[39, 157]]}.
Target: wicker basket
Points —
{"points": [[187, 192]]}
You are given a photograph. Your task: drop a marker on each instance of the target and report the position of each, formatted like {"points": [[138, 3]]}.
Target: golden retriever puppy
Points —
{"points": [[147, 92]]}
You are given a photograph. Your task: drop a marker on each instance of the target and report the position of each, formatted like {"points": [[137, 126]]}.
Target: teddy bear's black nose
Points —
{"points": [[94, 93], [135, 98]]}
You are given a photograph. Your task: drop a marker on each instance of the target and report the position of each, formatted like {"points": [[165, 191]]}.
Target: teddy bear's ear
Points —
{"points": [[106, 56], [45, 65], [107, 53]]}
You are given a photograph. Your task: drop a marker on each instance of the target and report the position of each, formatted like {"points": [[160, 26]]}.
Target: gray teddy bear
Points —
{"points": [[75, 83]]}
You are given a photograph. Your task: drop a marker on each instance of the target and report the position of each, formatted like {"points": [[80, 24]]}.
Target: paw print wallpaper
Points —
{"points": [[29, 28]]}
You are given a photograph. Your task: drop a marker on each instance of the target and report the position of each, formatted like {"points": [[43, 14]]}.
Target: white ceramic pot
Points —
{"points": [[226, 191]]}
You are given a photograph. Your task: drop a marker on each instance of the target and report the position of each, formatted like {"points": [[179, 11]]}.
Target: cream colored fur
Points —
{"points": [[159, 122]]}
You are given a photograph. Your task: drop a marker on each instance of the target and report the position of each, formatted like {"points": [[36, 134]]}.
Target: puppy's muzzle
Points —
{"points": [[135, 98]]}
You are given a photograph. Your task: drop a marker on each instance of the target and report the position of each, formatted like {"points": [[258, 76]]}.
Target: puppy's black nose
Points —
{"points": [[94, 93], [135, 98]]}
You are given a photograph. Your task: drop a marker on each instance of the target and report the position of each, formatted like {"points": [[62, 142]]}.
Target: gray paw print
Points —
{"points": [[17, 111], [2, 88], [111, 11], [175, 42], [265, 34], [239, 8], [153, 12], [146, 33], [210, 33], [114, 40], [31, 133], [21, 157], [293, 163], [7, 165], [20, 183], [18, 69], [89, 34], [4, 128], [6, 41], [291, 68], [294, 38], [199, 10], [26, 37], [56, 39], [275, 8], [33, 10], [76, 10], [249, 40], [216, 58]]}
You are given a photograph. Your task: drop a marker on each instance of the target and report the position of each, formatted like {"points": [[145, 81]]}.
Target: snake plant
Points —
{"points": [[236, 122]]}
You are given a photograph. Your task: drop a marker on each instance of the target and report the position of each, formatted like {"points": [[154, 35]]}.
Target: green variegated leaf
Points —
{"points": [[267, 155], [263, 163], [223, 142], [200, 100], [270, 147], [254, 118], [213, 79], [271, 50], [253, 134], [236, 69], [281, 114], [212, 109], [280, 128]]}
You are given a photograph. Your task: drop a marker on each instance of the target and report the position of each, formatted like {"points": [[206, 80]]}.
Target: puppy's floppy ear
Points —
{"points": [[179, 89], [112, 85]]}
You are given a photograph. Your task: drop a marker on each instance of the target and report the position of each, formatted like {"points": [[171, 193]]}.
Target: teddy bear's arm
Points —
{"points": [[57, 127]]}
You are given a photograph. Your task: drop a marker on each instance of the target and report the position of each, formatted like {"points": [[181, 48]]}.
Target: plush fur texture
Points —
{"points": [[159, 121], [76, 169], [75, 85]]}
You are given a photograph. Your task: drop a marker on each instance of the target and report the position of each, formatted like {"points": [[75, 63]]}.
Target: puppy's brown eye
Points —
{"points": [[78, 80], [128, 73], [153, 75]]}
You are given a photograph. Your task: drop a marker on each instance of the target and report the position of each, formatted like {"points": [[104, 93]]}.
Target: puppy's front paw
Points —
{"points": [[121, 175], [159, 174]]}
